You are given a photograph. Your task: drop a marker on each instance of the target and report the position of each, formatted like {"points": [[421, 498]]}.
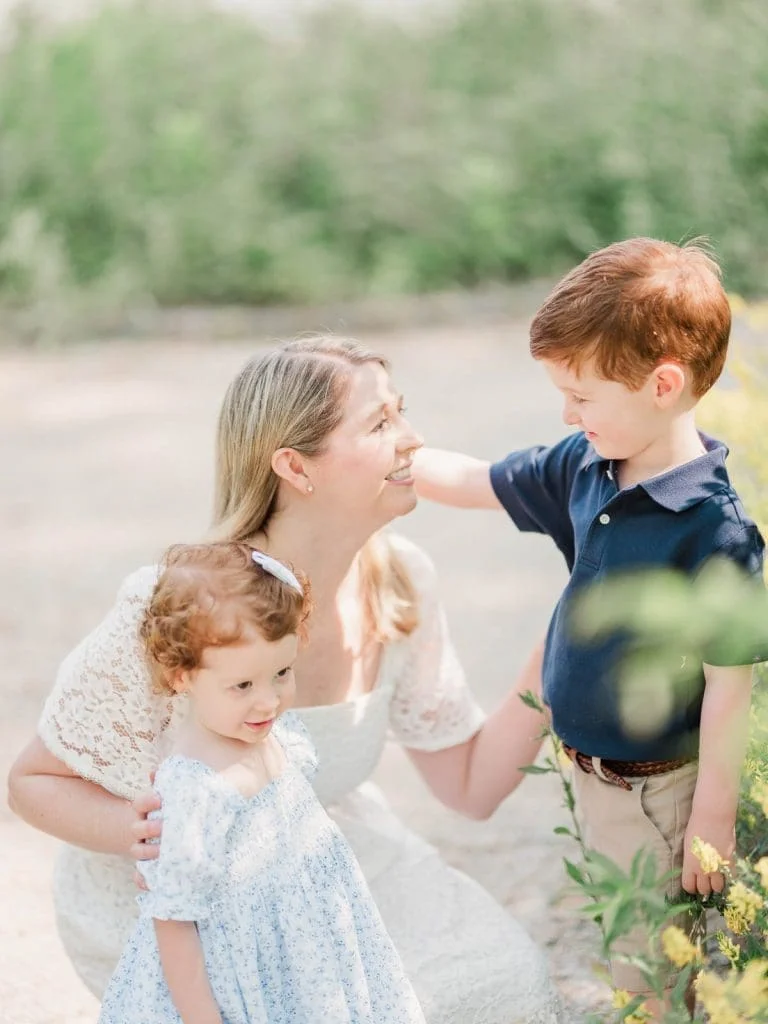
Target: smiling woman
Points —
{"points": [[313, 460]]}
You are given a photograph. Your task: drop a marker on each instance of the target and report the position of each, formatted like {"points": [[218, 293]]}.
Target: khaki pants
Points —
{"points": [[617, 823]]}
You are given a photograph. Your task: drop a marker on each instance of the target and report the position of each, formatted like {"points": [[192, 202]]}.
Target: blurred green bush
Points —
{"points": [[182, 154]]}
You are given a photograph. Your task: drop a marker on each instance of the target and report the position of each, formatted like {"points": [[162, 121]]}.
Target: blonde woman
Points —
{"points": [[313, 460]]}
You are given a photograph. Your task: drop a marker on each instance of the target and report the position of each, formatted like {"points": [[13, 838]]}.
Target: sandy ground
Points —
{"points": [[107, 458]]}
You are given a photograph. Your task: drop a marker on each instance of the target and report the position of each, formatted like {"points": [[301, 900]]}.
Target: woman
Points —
{"points": [[313, 460]]}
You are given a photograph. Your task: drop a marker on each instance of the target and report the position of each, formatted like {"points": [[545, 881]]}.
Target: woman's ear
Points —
{"points": [[669, 383], [292, 468]]}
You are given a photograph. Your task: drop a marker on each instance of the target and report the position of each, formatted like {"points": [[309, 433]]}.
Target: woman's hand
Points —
{"points": [[51, 796], [145, 828]]}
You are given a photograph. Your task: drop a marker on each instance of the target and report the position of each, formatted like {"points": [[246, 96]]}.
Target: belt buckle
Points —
{"points": [[588, 764], [597, 765], [611, 777]]}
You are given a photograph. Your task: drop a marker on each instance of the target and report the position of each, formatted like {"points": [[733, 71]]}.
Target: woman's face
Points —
{"points": [[364, 473]]}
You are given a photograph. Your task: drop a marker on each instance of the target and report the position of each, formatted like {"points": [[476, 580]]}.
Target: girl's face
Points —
{"points": [[364, 476], [239, 690]]}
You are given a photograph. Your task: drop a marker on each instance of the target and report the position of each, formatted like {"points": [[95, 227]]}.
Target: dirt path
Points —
{"points": [[107, 457]]}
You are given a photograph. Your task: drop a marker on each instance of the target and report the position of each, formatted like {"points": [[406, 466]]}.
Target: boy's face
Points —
{"points": [[618, 422]]}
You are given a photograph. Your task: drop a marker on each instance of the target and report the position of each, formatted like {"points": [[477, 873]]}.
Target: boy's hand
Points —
{"points": [[720, 834]]}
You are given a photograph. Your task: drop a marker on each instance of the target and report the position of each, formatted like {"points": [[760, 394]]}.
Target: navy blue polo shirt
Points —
{"points": [[676, 520]]}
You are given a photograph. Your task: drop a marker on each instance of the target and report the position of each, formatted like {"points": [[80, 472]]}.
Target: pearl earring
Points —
{"points": [[310, 488]]}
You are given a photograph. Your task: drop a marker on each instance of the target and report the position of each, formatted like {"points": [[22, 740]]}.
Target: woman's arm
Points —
{"points": [[181, 955], [97, 737], [48, 795], [474, 777]]}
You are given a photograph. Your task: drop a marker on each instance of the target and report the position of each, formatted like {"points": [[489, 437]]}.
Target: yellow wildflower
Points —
{"points": [[759, 794], [728, 947], [709, 988], [716, 1000], [752, 986], [622, 999], [744, 902], [722, 1013], [736, 923], [707, 856], [639, 1016], [678, 947], [761, 867]]}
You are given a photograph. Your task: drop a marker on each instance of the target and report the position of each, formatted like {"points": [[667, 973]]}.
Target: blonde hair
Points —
{"points": [[207, 595], [293, 397]]}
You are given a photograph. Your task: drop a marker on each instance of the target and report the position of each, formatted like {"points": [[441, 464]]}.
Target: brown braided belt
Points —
{"points": [[614, 771]]}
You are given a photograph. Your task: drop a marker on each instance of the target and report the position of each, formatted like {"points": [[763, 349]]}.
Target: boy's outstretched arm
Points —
{"points": [[451, 478], [722, 745]]}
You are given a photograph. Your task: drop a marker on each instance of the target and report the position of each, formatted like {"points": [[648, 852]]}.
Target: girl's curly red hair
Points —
{"points": [[210, 595]]}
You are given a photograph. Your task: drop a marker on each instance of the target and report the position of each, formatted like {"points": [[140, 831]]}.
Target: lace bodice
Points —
{"points": [[106, 723]]}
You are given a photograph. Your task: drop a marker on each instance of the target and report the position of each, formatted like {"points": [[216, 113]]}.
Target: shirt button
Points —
{"points": [[605, 519]]}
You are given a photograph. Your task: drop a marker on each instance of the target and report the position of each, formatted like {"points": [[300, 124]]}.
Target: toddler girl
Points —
{"points": [[256, 910]]}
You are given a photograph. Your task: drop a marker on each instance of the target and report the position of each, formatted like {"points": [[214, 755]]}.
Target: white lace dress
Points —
{"points": [[469, 961]]}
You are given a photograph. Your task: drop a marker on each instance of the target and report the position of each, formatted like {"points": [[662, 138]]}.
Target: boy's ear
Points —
{"points": [[669, 382]]}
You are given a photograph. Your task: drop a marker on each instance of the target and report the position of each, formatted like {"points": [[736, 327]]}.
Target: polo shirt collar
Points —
{"points": [[686, 485]]}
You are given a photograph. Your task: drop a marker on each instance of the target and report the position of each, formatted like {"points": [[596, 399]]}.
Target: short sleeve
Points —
{"points": [[533, 486], [297, 743], [197, 813], [432, 707], [743, 548], [102, 718]]}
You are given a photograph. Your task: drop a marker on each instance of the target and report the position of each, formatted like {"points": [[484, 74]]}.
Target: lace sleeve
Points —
{"points": [[102, 717], [432, 707]]}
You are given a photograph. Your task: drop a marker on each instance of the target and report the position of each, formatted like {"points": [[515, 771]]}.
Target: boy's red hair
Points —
{"points": [[633, 305]]}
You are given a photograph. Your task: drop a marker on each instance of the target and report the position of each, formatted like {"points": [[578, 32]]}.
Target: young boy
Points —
{"points": [[632, 338]]}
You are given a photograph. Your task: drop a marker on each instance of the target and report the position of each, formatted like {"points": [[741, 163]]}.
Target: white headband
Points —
{"points": [[277, 569]]}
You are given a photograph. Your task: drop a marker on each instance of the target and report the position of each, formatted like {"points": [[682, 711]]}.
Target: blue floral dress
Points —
{"points": [[288, 928]]}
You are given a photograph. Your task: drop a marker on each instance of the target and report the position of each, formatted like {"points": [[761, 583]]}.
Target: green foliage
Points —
{"points": [[177, 152]]}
